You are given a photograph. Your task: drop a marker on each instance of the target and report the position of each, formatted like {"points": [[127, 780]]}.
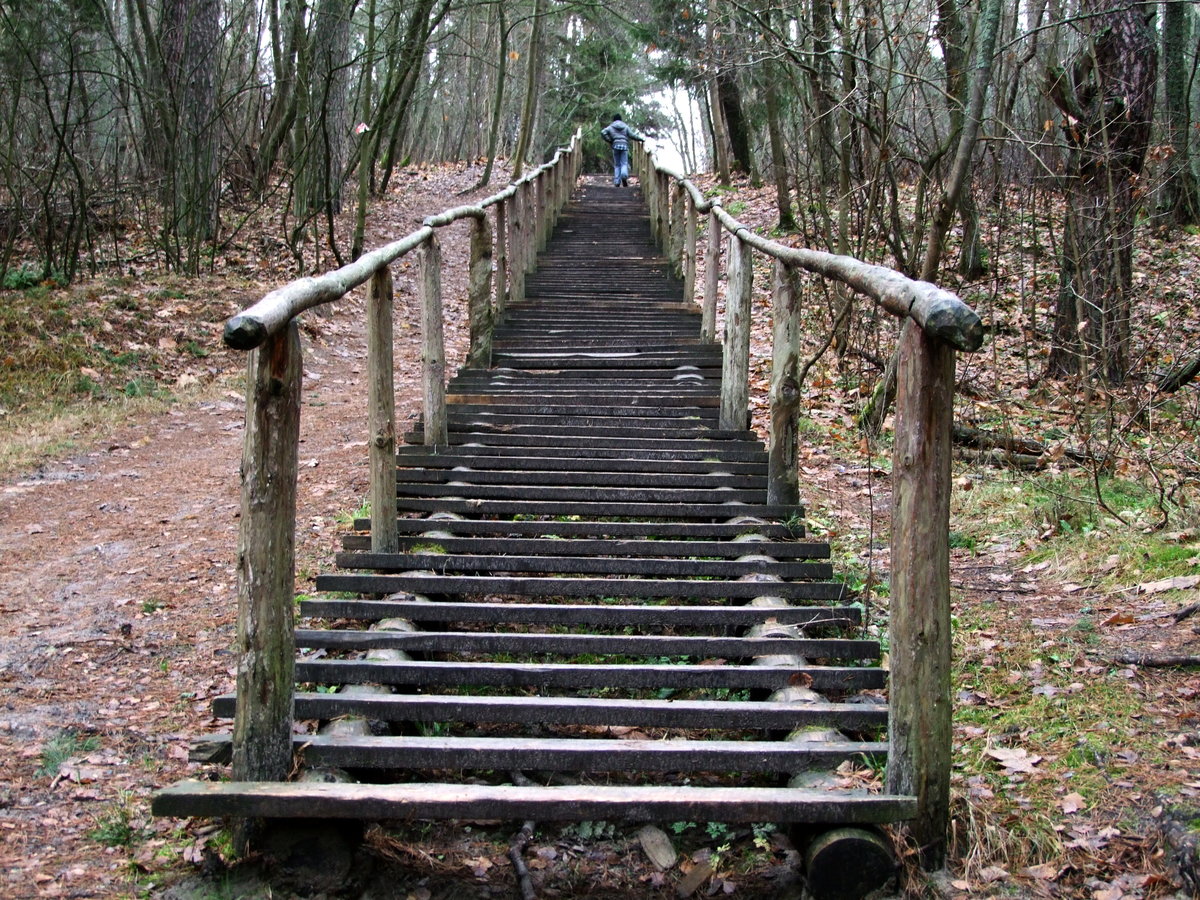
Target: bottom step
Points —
{"points": [[573, 803]]}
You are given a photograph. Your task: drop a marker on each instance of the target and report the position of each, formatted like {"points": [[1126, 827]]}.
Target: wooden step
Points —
{"points": [[588, 802], [579, 676], [600, 547], [578, 587], [697, 618], [528, 644], [694, 715], [567, 754]]}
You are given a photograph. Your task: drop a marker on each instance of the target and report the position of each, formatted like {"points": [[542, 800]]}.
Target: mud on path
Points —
{"points": [[119, 587]]}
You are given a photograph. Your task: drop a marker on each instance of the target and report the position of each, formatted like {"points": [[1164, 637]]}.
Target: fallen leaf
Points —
{"points": [[1045, 871], [1177, 583], [1119, 619], [1072, 803], [1014, 759]]}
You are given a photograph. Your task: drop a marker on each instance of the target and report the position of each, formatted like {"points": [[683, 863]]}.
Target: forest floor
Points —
{"points": [[119, 601]]}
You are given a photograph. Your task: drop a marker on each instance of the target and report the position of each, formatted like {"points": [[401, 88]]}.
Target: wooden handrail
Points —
{"points": [[936, 324], [262, 741], [249, 328]]}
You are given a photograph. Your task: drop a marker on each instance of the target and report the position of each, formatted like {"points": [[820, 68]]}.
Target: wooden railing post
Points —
{"points": [[783, 484], [689, 251], [501, 256], [677, 219], [433, 344], [541, 231], [262, 725], [381, 412], [529, 207], [735, 373], [919, 723], [480, 315], [664, 211], [712, 277], [516, 266]]}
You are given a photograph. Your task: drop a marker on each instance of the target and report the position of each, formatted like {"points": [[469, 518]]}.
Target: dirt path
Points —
{"points": [[119, 594]]}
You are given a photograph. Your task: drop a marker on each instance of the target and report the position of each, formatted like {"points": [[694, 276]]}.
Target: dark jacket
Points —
{"points": [[619, 135]]}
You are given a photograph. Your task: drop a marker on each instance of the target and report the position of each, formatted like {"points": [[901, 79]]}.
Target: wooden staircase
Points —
{"points": [[590, 591]]}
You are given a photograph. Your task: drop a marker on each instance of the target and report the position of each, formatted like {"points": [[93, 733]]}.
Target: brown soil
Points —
{"points": [[119, 602]]}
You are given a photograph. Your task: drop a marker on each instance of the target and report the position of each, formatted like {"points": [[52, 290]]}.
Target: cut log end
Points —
{"points": [[244, 333], [848, 863]]}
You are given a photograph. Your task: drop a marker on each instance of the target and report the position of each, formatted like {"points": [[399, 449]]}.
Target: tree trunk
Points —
{"points": [[779, 169], [189, 38], [1179, 202], [1108, 102], [531, 68], [498, 100]]}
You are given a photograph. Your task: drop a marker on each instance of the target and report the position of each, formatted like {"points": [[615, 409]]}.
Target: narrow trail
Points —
{"points": [[119, 591]]}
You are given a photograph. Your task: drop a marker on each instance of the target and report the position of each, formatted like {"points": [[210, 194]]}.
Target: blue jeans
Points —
{"points": [[620, 166]]}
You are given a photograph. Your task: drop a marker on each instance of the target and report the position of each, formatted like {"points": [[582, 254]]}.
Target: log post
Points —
{"points": [[530, 209], [480, 315], [381, 412], [516, 227], [433, 344], [783, 485], [551, 190], [262, 726], [919, 726], [712, 276], [501, 252], [689, 251], [677, 219], [542, 204], [664, 211], [735, 373]]}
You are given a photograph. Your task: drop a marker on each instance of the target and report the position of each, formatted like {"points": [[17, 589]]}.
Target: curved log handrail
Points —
{"points": [[939, 312], [249, 328]]}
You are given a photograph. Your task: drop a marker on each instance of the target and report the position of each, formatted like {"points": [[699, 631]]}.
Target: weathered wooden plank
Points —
{"points": [[611, 615], [691, 714], [571, 478], [544, 804], [573, 754], [553, 509], [573, 675], [589, 547], [445, 563], [578, 587], [557, 528], [586, 644]]}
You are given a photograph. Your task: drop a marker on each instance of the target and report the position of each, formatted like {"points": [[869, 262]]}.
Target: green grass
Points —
{"points": [[61, 747]]}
